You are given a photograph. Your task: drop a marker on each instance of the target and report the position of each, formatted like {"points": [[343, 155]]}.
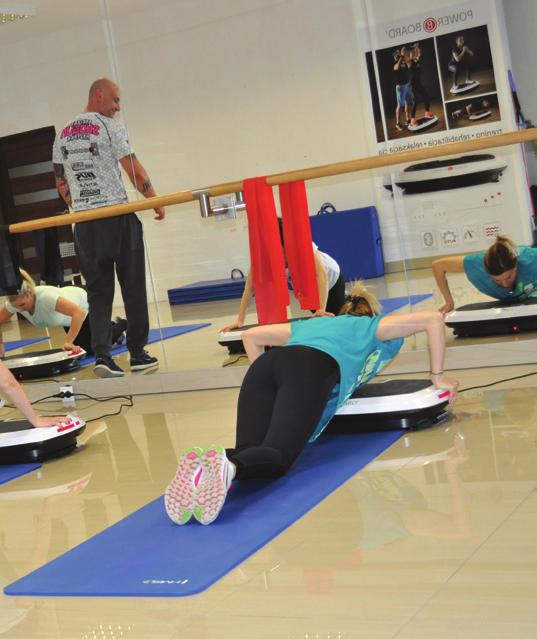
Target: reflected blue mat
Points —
{"points": [[391, 304], [155, 335], [21, 343], [7, 473], [147, 555]]}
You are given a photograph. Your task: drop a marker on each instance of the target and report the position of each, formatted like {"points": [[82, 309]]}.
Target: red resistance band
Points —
{"points": [[266, 252], [298, 244]]}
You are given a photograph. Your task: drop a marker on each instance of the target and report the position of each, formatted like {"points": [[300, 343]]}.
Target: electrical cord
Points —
{"points": [[234, 361], [118, 412], [97, 400], [499, 381]]}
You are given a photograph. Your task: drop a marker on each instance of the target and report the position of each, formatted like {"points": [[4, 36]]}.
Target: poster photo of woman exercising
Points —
{"points": [[466, 63], [410, 89]]}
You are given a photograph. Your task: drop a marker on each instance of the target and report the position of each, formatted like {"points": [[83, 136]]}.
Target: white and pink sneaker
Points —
{"points": [[216, 477], [179, 497]]}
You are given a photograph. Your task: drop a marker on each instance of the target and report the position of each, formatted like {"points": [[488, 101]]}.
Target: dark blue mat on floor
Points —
{"points": [[207, 291], [155, 335], [391, 304], [146, 555], [7, 473], [21, 343]]}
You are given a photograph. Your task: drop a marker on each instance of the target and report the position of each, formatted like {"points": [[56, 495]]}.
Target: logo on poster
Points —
{"points": [[470, 234], [428, 239], [449, 237], [492, 230], [429, 25]]}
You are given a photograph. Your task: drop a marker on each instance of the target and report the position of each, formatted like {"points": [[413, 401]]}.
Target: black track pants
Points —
{"points": [[281, 401], [101, 246]]}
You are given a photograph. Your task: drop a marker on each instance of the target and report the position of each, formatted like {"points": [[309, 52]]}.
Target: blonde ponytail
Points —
{"points": [[360, 302], [28, 285]]}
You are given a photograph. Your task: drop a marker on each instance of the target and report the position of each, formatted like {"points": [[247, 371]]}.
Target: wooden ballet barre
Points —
{"points": [[338, 168]]}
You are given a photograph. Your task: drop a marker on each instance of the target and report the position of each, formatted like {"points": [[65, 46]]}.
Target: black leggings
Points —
{"points": [[336, 296], [281, 401], [457, 67], [420, 94], [83, 339]]}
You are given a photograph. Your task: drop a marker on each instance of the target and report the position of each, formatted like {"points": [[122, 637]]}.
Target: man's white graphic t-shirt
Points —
{"points": [[89, 147]]}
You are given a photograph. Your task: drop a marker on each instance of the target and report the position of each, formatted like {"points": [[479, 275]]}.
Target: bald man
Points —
{"points": [[87, 156]]}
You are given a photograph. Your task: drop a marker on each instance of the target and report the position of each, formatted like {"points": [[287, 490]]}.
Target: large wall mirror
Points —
{"points": [[214, 92]]}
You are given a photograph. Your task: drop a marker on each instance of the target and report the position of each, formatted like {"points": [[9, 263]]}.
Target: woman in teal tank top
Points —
{"points": [[504, 271], [289, 395]]}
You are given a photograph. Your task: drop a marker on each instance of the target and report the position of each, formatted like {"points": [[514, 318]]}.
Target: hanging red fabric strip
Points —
{"points": [[298, 244], [266, 252]]}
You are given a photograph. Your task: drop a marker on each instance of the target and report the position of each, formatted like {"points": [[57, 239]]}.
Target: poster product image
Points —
{"points": [[443, 175], [434, 78], [465, 62], [409, 101], [468, 85], [469, 111]]}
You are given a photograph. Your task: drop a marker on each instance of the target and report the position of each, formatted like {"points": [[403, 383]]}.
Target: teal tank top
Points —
{"points": [[526, 283], [353, 343]]}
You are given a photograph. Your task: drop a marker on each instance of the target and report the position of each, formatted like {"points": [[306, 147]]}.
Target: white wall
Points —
{"points": [[520, 21], [251, 94], [212, 92]]}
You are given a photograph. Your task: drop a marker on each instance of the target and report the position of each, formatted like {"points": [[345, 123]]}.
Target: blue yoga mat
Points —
{"points": [[155, 335], [147, 555], [21, 343], [7, 473], [391, 304]]}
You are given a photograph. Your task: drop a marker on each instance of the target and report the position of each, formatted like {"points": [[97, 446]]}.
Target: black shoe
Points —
{"points": [[399, 127], [143, 361], [106, 367]]}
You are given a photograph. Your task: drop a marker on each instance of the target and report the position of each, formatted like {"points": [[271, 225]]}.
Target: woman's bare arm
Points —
{"points": [[431, 322], [255, 339], [453, 264]]}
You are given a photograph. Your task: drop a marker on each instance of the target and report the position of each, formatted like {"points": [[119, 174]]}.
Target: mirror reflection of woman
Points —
{"points": [[50, 306], [505, 272]]}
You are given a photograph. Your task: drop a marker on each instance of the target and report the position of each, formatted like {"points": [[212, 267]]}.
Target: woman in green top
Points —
{"points": [[50, 306], [289, 395], [504, 271]]}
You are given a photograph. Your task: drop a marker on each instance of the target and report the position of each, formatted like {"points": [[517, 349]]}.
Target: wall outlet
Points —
{"points": [[69, 394]]}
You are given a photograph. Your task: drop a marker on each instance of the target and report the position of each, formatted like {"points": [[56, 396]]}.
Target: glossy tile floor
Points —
{"points": [[435, 538]]}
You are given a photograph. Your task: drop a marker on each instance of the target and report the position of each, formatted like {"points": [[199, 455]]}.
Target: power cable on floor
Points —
{"points": [[499, 381], [63, 395]]}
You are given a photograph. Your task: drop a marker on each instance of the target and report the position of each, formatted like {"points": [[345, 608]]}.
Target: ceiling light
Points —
{"points": [[14, 13]]}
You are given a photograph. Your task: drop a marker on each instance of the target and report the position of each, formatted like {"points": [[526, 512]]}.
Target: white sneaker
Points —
{"points": [[179, 498], [216, 478]]}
